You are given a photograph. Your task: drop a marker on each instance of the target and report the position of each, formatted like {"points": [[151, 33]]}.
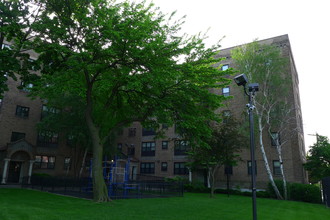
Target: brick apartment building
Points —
{"points": [[24, 150], [167, 157]]}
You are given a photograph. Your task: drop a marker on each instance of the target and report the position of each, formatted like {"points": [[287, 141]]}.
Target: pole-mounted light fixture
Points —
{"points": [[241, 80]]}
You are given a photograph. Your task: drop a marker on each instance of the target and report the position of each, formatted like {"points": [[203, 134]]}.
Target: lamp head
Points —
{"points": [[253, 87], [241, 80]]}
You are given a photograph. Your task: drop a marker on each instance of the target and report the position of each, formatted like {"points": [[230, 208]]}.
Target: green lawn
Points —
{"points": [[23, 204]]}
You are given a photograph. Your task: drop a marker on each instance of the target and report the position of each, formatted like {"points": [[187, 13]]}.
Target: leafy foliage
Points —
{"points": [[298, 192], [265, 65], [123, 62], [16, 18], [222, 148], [318, 159]]}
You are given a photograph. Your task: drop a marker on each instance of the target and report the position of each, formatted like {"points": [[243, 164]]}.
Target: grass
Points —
{"points": [[21, 204]]}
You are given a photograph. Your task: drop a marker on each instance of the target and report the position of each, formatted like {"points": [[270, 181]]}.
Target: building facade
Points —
{"points": [[25, 151], [167, 157]]}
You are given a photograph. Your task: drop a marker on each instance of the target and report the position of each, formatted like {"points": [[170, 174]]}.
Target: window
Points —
{"points": [[147, 168], [148, 149], [225, 67], [229, 170], [46, 111], [47, 139], [181, 147], [26, 87], [276, 167], [6, 46], [164, 166], [131, 150], [226, 115], [249, 164], [70, 140], [67, 163], [22, 111], [226, 91], [148, 132], [44, 162], [37, 162], [180, 168], [275, 138], [164, 145], [15, 136], [131, 132]]}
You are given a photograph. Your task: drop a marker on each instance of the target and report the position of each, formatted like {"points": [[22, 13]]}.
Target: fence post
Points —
{"points": [[326, 191]]}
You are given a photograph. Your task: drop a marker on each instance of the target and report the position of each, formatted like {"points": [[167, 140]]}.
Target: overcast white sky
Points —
{"points": [[241, 21]]}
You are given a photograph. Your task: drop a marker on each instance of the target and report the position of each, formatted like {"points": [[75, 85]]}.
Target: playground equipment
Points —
{"points": [[116, 175]]}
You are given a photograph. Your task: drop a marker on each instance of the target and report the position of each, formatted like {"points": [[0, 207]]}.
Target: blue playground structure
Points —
{"points": [[116, 176]]}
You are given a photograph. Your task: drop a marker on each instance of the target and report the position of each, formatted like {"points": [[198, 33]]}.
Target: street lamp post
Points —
{"points": [[241, 80], [317, 137]]}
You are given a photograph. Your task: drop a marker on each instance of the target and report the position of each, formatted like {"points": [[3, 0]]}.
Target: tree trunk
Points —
{"points": [[264, 156], [285, 190], [100, 190], [212, 173], [227, 180], [83, 163], [208, 177]]}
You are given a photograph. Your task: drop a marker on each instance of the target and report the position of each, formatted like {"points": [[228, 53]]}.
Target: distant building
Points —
{"points": [[24, 150]]}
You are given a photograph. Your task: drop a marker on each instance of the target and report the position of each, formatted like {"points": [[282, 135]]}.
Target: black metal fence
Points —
{"points": [[326, 191], [83, 187], [148, 178]]}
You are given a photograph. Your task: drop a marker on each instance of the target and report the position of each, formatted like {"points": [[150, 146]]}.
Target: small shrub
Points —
{"points": [[225, 191], [297, 192], [305, 193], [196, 188], [263, 194], [245, 193], [177, 179]]}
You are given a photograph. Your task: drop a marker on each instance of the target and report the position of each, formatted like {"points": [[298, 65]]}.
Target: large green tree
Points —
{"points": [[265, 64], [127, 63], [318, 159]]}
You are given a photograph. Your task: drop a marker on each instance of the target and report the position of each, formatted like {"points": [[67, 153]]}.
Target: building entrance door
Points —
{"points": [[14, 171]]}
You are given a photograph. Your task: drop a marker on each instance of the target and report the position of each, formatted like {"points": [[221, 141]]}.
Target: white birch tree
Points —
{"points": [[266, 65]]}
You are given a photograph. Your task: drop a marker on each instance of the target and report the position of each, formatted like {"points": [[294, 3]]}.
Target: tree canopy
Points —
{"points": [[126, 63], [222, 149], [318, 159]]}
